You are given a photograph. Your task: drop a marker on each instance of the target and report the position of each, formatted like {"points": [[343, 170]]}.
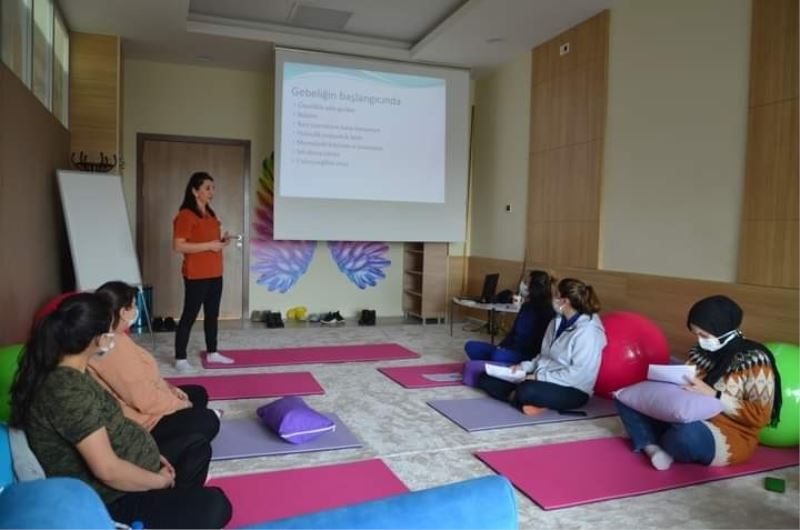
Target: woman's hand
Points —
{"points": [[217, 246], [167, 472], [515, 367], [180, 394], [699, 386], [531, 377]]}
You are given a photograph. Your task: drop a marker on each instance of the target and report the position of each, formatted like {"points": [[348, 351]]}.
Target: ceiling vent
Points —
{"points": [[318, 17]]}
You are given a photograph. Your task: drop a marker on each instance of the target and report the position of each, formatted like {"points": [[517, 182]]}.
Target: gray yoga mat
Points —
{"points": [[484, 413], [248, 438]]}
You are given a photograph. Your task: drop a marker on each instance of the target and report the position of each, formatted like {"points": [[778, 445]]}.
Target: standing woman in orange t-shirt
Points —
{"points": [[197, 234]]}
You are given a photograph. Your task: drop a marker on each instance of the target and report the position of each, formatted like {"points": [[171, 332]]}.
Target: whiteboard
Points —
{"points": [[99, 232]]}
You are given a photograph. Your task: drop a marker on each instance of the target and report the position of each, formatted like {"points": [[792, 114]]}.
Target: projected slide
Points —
{"points": [[362, 135]]}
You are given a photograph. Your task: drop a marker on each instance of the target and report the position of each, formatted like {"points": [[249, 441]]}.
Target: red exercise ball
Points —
{"points": [[633, 343], [51, 306]]}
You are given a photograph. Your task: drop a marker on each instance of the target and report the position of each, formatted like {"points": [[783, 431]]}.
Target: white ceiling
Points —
{"points": [[479, 34]]}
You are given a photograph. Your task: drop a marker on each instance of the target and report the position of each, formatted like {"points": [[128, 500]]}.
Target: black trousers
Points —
{"points": [[537, 393], [178, 507], [196, 419], [206, 293]]}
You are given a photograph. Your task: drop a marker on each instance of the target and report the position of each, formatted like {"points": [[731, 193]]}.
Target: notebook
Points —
{"points": [[678, 374]]}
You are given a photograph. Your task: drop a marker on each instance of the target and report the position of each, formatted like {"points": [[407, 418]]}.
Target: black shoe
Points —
{"points": [[268, 319], [338, 318], [277, 320], [328, 320], [158, 324], [364, 318], [372, 317], [169, 324]]}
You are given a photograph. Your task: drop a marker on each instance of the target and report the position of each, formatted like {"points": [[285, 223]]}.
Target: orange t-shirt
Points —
{"points": [[200, 265]]}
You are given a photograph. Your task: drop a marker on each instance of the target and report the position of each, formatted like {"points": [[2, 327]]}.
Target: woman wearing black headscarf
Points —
{"points": [[740, 373]]}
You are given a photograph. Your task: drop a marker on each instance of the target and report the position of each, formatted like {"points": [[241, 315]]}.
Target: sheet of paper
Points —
{"points": [[671, 373], [505, 373], [443, 378]]}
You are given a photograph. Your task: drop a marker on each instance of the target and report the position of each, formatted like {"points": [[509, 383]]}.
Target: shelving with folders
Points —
{"points": [[425, 281]]}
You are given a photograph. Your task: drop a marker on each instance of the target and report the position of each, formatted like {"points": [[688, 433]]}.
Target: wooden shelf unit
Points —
{"points": [[425, 281]]}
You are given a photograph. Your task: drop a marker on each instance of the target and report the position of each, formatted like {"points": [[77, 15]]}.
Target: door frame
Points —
{"points": [[141, 138]]}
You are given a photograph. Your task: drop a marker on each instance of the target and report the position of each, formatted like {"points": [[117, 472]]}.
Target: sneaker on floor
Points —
{"points": [[216, 357], [338, 317], [314, 317], [183, 366], [328, 320], [170, 324], [256, 316]]}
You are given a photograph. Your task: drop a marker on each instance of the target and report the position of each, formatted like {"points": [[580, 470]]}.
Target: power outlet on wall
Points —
{"points": [[563, 49], [508, 208]]}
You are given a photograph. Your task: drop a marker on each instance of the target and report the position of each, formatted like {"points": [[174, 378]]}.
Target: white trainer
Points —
{"points": [[216, 357], [183, 366]]}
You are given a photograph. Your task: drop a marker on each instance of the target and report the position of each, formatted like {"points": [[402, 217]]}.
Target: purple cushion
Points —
{"points": [[474, 369], [294, 421], [669, 402]]}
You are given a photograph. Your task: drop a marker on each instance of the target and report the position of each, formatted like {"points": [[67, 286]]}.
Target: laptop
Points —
{"points": [[488, 291]]}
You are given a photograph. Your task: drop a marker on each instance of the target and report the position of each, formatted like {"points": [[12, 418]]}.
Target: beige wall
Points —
{"points": [[675, 137], [500, 161], [188, 100]]}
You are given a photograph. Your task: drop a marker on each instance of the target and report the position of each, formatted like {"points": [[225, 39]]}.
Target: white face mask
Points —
{"points": [[558, 307], [133, 318], [523, 290], [713, 344], [108, 346]]}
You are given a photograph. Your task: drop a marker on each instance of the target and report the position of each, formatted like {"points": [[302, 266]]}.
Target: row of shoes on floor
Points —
{"points": [[331, 318], [164, 324]]}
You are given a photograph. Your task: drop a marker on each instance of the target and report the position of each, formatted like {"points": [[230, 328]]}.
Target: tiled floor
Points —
{"points": [[424, 449]]}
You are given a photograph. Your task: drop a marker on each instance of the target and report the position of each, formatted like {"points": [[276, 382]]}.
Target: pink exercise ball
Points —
{"points": [[633, 343]]}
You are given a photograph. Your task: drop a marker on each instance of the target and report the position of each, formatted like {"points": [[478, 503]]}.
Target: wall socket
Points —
{"points": [[563, 49], [508, 207]]}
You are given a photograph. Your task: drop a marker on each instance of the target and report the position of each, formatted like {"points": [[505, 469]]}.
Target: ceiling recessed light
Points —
{"points": [[494, 40]]}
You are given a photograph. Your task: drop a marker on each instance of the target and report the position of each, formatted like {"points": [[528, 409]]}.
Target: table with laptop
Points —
{"points": [[485, 302]]}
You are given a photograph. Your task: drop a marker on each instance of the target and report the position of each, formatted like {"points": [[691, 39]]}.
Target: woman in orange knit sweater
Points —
{"points": [[130, 374], [740, 373]]}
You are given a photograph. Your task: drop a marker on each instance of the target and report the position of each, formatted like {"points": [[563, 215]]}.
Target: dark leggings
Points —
{"points": [[537, 393], [195, 419], [206, 293], [179, 507]]}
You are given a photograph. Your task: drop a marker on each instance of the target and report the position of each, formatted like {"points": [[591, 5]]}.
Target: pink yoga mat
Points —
{"points": [[262, 497], [414, 376], [254, 385], [313, 354], [573, 473]]}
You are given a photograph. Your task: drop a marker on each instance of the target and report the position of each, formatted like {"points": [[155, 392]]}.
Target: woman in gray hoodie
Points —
{"points": [[563, 376]]}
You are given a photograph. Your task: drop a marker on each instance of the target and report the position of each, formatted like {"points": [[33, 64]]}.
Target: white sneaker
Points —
{"points": [[183, 366], [216, 357]]}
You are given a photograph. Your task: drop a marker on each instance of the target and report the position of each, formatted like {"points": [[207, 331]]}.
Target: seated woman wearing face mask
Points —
{"points": [[739, 372], [563, 376], [76, 429], [130, 374], [525, 338]]}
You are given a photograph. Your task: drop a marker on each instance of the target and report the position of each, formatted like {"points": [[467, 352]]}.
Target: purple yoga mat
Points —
{"points": [[313, 354], [484, 413], [254, 385], [414, 376], [573, 473], [248, 438]]}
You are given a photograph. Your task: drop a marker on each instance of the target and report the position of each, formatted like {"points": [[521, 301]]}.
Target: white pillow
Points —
{"points": [[26, 465]]}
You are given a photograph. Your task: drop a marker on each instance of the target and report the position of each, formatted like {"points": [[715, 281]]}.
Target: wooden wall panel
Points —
{"points": [[568, 115], [771, 313], [773, 51], [34, 263], [768, 241], [94, 109]]}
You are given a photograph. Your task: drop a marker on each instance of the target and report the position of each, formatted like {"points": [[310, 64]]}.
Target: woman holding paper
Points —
{"points": [[562, 377], [740, 373], [197, 235], [524, 340]]}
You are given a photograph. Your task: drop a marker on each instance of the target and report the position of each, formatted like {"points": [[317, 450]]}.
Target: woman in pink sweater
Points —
{"points": [[130, 374]]}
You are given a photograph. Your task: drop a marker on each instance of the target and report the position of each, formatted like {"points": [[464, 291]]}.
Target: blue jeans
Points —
{"points": [[483, 351], [685, 442]]}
